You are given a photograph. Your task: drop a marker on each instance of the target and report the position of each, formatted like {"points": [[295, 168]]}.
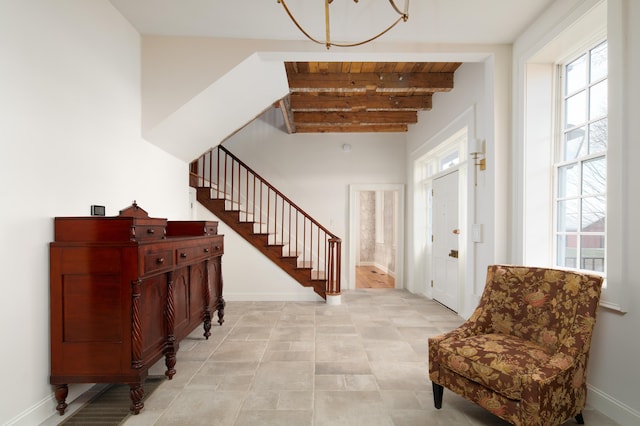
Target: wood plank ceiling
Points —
{"points": [[361, 96]]}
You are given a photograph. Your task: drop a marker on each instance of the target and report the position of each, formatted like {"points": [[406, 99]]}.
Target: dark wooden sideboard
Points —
{"points": [[124, 290]]}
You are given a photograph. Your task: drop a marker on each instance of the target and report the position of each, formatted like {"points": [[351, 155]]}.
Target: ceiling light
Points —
{"points": [[403, 15]]}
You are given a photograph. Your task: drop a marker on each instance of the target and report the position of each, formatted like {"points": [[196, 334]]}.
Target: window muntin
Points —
{"points": [[581, 169]]}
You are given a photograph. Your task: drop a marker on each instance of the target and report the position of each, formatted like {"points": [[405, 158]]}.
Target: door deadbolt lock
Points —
{"points": [[453, 253]]}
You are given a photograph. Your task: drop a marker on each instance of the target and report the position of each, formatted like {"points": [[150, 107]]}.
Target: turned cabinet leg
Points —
{"points": [[221, 304], [136, 393], [61, 396], [207, 324], [579, 419], [170, 362], [438, 390]]}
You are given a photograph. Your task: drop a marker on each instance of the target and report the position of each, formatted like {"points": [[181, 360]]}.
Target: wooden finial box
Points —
{"points": [[133, 224]]}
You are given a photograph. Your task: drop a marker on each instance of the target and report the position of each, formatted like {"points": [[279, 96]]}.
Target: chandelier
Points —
{"points": [[403, 15]]}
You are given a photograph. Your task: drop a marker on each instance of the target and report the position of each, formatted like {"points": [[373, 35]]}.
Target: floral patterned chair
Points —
{"points": [[523, 353]]}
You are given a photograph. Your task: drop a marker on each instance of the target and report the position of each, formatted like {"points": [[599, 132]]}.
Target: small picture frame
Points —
{"points": [[97, 210]]}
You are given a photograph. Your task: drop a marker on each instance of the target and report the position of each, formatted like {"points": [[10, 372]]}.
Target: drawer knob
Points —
{"points": [[183, 255], [160, 260], [151, 231], [217, 247], [206, 250]]}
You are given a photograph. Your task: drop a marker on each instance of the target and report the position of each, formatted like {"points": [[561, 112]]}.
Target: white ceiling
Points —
{"points": [[430, 21]]}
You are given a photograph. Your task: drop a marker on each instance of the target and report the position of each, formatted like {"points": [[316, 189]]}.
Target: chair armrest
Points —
{"points": [[475, 325], [471, 327]]}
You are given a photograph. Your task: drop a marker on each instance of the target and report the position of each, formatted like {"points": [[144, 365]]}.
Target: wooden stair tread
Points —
{"points": [[301, 271]]}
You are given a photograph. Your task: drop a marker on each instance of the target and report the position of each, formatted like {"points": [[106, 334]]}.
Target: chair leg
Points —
{"points": [[438, 390], [579, 419]]}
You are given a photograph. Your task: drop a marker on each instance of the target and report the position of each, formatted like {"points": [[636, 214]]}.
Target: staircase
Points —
{"points": [[268, 220]]}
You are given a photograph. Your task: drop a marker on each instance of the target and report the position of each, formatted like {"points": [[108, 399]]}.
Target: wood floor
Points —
{"points": [[372, 277]]}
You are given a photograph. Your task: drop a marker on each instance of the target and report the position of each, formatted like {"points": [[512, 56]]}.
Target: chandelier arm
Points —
{"points": [[297, 24], [360, 43], [327, 24], [328, 43], [393, 4]]}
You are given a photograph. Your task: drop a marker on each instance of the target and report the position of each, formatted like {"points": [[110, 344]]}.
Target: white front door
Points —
{"points": [[445, 240]]}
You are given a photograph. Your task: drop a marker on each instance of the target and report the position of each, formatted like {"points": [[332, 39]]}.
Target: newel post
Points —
{"points": [[333, 278]]}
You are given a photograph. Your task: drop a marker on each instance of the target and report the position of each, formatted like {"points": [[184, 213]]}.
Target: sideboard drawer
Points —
{"points": [[148, 232], [189, 254], [157, 260], [217, 246]]}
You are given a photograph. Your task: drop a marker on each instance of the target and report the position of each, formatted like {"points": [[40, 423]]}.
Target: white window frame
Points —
{"points": [[560, 161], [534, 101]]}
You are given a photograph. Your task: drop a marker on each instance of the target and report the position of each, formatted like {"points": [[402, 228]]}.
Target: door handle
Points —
{"points": [[453, 253]]}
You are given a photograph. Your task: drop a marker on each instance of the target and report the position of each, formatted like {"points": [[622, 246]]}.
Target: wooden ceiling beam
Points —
{"points": [[361, 82], [365, 117], [362, 128], [341, 97], [330, 102], [374, 66], [285, 107]]}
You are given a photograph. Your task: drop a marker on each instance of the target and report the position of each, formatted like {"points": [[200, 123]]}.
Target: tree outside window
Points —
{"points": [[581, 167]]}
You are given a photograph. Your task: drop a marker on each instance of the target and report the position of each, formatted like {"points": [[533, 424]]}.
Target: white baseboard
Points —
{"points": [[616, 410], [272, 297], [44, 412]]}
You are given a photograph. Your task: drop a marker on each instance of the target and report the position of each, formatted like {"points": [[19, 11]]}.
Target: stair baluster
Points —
{"points": [[269, 220]]}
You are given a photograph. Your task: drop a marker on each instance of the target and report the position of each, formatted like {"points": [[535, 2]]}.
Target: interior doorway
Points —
{"points": [[376, 239], [376, 236]]}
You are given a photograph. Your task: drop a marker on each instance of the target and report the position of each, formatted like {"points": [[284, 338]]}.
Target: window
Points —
{"points": [[572, 147], [444, 157], [581, 162]]}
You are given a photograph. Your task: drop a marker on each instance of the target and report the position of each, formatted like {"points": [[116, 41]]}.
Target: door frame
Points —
{"points": [[460, 236], [466, 210], [354, 191]]}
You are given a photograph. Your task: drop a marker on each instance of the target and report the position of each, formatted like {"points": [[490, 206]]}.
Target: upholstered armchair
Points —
{"points": [[523, 353]]}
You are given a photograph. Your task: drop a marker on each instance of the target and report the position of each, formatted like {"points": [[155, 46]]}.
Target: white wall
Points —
{"points": [[613, 376], [177, 69], [314, 172], [70, 137]]}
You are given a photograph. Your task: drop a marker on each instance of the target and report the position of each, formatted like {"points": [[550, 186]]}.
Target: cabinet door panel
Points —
{"points": [[181, 301], [152, 311], [197, 283], [216, 280]]}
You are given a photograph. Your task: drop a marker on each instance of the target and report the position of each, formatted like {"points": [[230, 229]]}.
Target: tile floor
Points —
{"points": [[363, 362]]}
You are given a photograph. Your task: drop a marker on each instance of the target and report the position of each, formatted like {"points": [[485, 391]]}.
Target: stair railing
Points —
{"points": [[271, 212]]}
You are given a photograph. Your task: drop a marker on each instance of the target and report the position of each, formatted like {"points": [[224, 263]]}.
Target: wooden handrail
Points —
{"points": [[263, 202], [274, 189]]}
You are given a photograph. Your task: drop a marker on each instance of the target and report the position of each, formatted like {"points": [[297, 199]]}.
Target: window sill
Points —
{"points": [[611, 306]]}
